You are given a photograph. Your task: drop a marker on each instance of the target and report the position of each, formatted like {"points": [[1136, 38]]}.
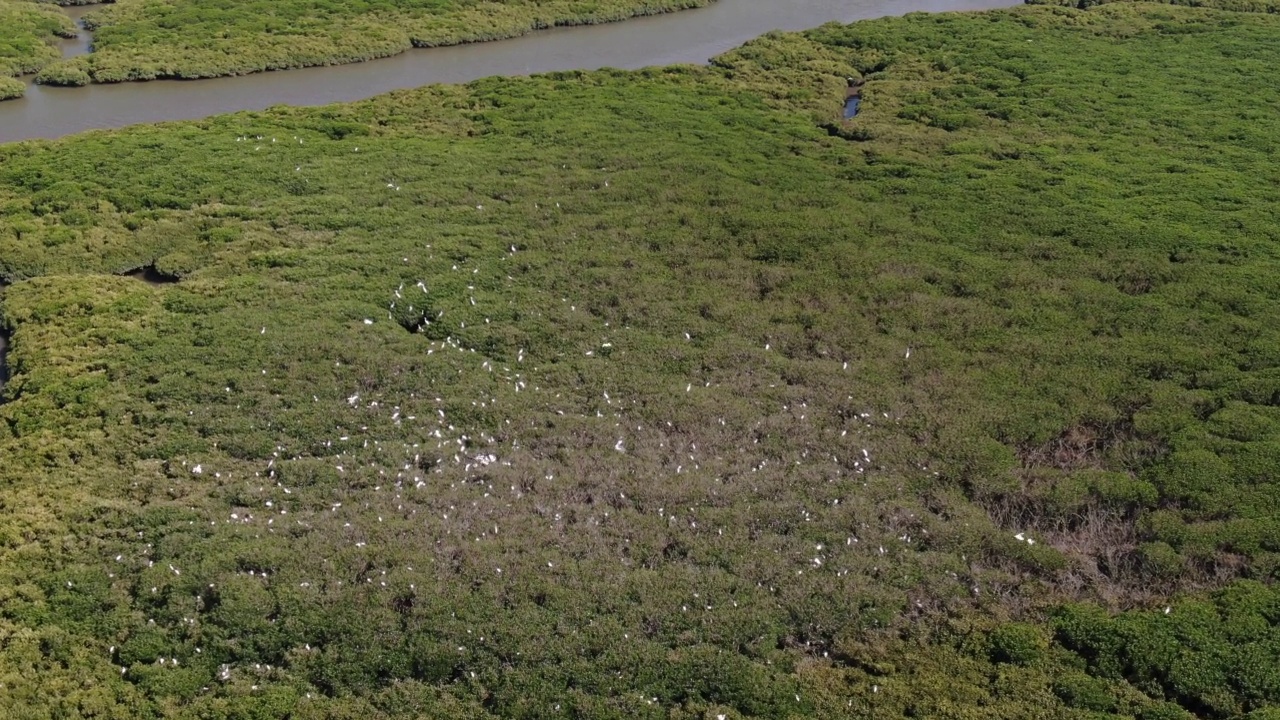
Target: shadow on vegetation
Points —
{"points": [[4, 348], [4, 360], [150, 275], [844, 132]]}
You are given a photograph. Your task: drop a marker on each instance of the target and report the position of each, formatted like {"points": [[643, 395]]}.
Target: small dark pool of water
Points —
{"points": [[851, 106], [151, 276]]}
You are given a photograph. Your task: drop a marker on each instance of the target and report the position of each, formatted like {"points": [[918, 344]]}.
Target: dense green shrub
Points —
{"points": [[1018, 643], [1160, 560], [1254, 6], [11, 88], [1216, 658], [1078, 690], [28, 41], [1165, 711], [717, 411], [64, 75]]}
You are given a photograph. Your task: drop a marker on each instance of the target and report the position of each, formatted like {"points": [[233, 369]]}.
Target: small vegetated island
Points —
{"points": [[29, 33], [150, 39], [665, 394]]}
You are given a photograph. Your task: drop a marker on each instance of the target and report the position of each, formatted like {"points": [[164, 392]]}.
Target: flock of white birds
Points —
{"points": [[394, 457]]}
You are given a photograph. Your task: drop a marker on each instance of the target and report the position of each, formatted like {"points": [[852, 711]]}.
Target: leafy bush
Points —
{"points": [[28, 34], [68, 74], [11, 88], [1018, 643], [1160, 560], [1078, 690]]}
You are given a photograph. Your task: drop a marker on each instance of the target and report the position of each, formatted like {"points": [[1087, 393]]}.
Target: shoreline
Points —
{"points": [[73, 74], [692, 37]]}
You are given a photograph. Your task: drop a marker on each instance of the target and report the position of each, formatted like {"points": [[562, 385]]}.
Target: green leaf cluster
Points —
{"points": [[28, 41]]}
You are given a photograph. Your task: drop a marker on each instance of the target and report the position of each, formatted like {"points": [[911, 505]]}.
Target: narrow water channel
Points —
{"points": [[82, 43], [691, 36]]}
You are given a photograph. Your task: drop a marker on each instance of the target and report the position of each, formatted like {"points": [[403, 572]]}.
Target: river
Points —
{"points": [[690, 36]]}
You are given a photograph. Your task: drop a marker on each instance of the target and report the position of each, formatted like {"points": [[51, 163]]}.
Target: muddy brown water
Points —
{"points": [[691, 36], [82, 43]]}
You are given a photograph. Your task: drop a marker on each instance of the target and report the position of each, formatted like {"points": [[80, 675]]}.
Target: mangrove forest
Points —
{"points": [[670, 393]]}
